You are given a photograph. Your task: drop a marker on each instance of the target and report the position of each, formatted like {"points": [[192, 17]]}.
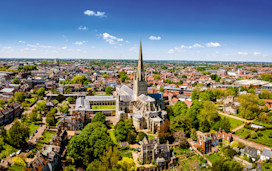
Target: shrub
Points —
{"points": [[260, 134], [270, 135], [253, 135]]}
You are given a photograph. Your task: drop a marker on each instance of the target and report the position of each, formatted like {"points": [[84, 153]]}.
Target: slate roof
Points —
{"points": [[267, 153]]}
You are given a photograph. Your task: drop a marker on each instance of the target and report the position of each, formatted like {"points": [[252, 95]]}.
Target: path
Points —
{"points": [[39, 133], [235, 117], [239, 127]]}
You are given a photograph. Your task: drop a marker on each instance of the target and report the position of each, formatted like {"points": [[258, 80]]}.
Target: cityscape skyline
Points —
{"points": [[180, 30]]}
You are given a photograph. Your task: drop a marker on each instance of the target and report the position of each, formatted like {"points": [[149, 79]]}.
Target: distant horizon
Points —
{"points": [[151, 60]]}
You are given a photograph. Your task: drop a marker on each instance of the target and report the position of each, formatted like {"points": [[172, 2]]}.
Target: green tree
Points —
{"points": [[266, 77], [181, 123], [140, 136], [89, 144], [249, 108], [179, 108], [19, 97], [203, 96], [2, 103], [208, 115], [226, 164], [109, 90], [41, 105], [51, 117], [64, 108], [126, 164], [15, 81], [79, 79], [157, 76], [41, 92], [99, 117], [18, 134]]}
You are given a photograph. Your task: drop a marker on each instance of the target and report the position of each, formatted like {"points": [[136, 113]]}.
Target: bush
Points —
{"points": [[260, 134], [253, 135], [270, 135], [147, 162]]}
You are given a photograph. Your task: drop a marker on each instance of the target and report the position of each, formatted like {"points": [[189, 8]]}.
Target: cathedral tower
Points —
{"points": [[140, 84]]}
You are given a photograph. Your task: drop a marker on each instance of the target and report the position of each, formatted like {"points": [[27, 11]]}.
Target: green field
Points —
{"points": [[151, 137], [213, 157], [113, 138], [33, 127], [7, 150], [264, 140], [103, 106], [234, 123]]}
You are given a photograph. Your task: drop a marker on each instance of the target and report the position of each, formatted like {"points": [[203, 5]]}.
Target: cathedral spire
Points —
{"points": [[140, 64]]}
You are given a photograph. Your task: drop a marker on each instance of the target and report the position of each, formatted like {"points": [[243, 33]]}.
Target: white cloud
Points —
{"points": [[256, 53], [64, 47], [111, 39], [196, 45], [242, 53], [154, 38], [170, 51], [93, 13], [21, 41], [80, 42], [213, 44], [133, 48], [84, 28], [7, 47]]}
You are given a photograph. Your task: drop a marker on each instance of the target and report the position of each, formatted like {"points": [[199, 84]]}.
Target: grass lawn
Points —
{"points": [[33, 127], [179, 151], [234, 123], [7, 150], [213, 157], [113, 138], [103, 106], [242, 132], [151, 137], [44, 139], [264, 140], [127, 154]]}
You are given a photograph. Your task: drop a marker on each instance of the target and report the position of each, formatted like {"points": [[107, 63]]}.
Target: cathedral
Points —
{"points": [[144, 109]]}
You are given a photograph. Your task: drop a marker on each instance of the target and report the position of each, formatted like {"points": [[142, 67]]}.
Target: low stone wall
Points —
{"points": [[249, 143]]}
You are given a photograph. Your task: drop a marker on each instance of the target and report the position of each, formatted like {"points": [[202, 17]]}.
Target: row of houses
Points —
{"points": [[8, 113], [48, 158]]}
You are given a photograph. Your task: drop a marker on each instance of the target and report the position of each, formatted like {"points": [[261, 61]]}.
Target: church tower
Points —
{"points": [[140, 84]]}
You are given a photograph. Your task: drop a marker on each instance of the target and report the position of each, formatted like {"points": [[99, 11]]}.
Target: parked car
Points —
{"points": [[27, 150], [2, 161], [36, 131], [12, 155], [7, 163], [30, 137], [36, 140], [18, 152]]}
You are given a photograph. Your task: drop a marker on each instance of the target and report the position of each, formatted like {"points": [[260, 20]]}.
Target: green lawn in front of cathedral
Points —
{"points": [[103, 106]]}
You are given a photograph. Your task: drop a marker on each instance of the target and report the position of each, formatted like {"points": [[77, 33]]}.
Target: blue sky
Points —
{"points": [[223, 30]]}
